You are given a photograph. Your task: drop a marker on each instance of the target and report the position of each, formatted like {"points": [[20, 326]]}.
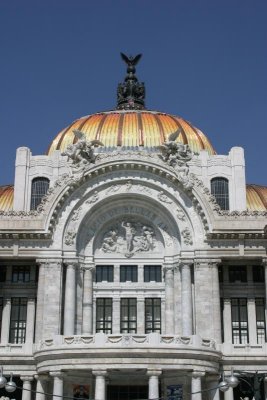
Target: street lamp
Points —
{"points": [[233, 381], [10, 386]]}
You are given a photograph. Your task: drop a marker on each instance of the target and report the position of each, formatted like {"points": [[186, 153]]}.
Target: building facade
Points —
{"points": [[132, 261]]}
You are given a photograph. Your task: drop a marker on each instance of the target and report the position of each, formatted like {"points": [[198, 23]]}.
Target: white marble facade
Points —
{"points": [[131, 209]]}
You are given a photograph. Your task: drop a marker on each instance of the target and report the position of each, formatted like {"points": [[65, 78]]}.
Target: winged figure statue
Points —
{"points": [[131, 61]]}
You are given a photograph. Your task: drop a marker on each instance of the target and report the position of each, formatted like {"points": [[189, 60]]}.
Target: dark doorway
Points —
{"points": [[126, 392]]}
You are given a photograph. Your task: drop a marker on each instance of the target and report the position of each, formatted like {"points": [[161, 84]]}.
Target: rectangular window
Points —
{"points": [[18, 320], [258, 273], [128, 315], [152, 273], [2, 273], [104, 315], [128, 273], [260, 321], [152, 315], [104, 273], [239, 321], [237, 273], [21, 273]]}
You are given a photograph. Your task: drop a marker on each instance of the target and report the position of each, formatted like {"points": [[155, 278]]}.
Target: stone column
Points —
{"points": [[265, 388], [153, 384], [227, 321], [116, 315], [58, 385], [100, 384], [70, 298], [187, 312], [214, 392], [140, 315], [196, 393], [6, 321], [40, 386], [27, 387], [169, 298], [216, 301], [252, 329], [265, 274], [229, 394], [30, 321], [40, 299], [87, 324]]}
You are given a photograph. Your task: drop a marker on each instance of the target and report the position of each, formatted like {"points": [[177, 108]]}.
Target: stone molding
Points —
{"points": [[28, 378], [207, 262], [198, 374], [100, 372], [41, 377], [57, 374], [154, 372]]}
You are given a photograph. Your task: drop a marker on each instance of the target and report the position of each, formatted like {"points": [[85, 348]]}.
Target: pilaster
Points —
{"points": [[70, 297], [6, 321], [87, 311], [187, 310], [169, 298]]}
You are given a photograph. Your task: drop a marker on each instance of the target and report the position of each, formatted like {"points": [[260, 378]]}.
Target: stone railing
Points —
{"points": [[127, 340]]}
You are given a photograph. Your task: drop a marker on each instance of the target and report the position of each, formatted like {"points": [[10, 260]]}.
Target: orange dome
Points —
{"points": [[256, 197], [132, 128]]}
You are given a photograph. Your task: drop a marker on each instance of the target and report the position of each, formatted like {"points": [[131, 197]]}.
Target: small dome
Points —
{"points": [[132, 128], [256, 197]]}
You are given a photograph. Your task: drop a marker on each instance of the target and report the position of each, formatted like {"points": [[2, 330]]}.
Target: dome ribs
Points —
{"points": [[260, 192], [81, 126], [63, 136], [161, 130], [100, 126], [6, 197], [140, 130], [119, 139], [197, 135], [182, 129]]}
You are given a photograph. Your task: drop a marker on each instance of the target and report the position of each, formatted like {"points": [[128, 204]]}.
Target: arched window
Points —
{"points": [[39, 189], [220, 190]]}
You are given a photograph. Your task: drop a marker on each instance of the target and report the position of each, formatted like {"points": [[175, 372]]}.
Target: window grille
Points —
{"points": [[18, 318], [104, 315], [260, 320], [237, 273], [104, 273], [239, 321], [152, 273], [128, 315], [39, 189], [21, 273], [220, 190], [128, 273], [152, 315]]}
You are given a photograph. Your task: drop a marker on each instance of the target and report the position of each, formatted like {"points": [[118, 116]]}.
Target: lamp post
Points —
{"points": [[10, 386], [233, 381]]}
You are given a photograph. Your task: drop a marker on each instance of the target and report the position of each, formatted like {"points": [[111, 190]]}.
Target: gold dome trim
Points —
{"points": [[6, 197], [256, 197]]}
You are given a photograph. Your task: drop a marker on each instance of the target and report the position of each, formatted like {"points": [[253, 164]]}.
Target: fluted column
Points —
{"points": [[196, 393], [187, 311], [227, 320], [87, 324], [58, 385], [30, 321], [216, 301], [26, 387], [40, 299], [70, 295], [41, 381], [169, 298], [6, 321], [153, 384], [100, 384]]}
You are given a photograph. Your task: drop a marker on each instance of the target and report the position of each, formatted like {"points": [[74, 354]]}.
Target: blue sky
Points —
{"points": [[204, 60]]}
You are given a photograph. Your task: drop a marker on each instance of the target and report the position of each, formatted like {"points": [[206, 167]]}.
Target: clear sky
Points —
{"points": [[204, 60]]}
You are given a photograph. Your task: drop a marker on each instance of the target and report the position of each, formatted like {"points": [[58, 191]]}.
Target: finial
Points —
{"points": [[131, 93]]}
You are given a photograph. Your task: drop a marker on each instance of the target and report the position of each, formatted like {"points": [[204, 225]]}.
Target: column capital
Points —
{"points": [[71, 263], [26, 378], [227, 300], [48, 261], [41, 377], [198, 374], [100, 372], [209, 262], [87, 266], [57, 374], [154, 372], [264, 262], [186, 261]]}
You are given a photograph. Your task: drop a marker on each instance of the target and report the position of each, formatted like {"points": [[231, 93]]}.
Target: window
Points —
{"points": [[21, 273], [128, 315], [2, 273], [18, 320], [39, 189], [220, 273], [220, 190], [128, 273], [237, 273], [260, 321], [152, 315], [152, 273], [104, 273], [258, 273], [239, 321], [104, 315]]}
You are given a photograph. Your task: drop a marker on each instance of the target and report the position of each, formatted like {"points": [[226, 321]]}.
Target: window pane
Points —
{"points": [[21, 273], [18, 320], [258, 273], [104, 315], [152, 273], [2, 273], [152, 315], [104, 273], [237, 273], [128, 273], [260, 320], [239, 321], [128, 315], [39, 189], [220, 190]]}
